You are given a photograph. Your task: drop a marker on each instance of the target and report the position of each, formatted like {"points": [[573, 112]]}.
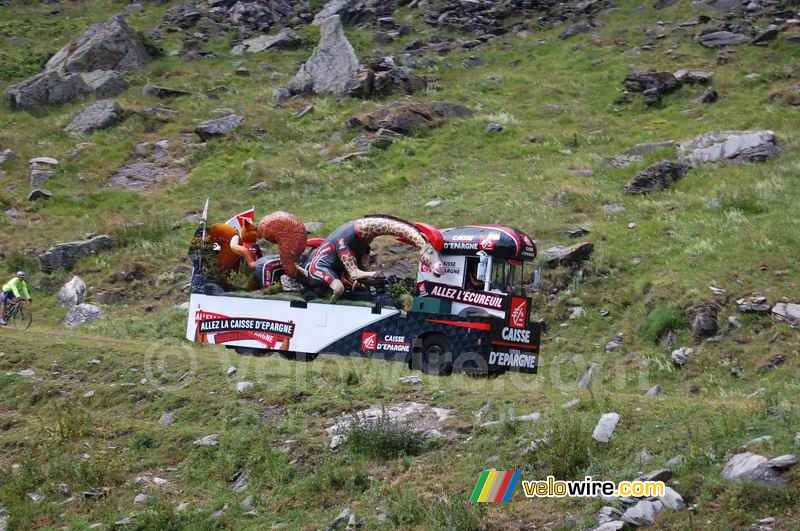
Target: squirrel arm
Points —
{"points": [[242, 251]]}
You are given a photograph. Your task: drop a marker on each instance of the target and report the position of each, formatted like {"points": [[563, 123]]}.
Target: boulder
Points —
{"points": [[110, 45], [349, 11], [83, 67], [656, 177], [407, 117], [747, 466], [332, 64], [82, 314], [420, 419], [287, 39], [72, 292], [681, 356], [568, 256], [703, 319], [707, 96], [99, 115], [696, 77], [66, 254], [730, 145], [766, 35], [605, 427], [218, 127], [164, 92]]}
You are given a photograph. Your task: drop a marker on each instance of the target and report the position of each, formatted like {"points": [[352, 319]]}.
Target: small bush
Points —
{"points": [[457, 514], [567, 448], [382, 438], [663, 319]]}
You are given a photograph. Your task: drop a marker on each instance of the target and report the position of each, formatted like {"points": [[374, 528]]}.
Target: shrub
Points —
{"points": [[382, 438], [662, 319], [567, 448]]}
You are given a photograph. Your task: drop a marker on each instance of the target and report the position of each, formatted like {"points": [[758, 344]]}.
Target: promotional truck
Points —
{"points": [[475, 317]]}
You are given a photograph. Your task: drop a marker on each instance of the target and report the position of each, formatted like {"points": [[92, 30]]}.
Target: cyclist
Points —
{"points": [[12, 290]]}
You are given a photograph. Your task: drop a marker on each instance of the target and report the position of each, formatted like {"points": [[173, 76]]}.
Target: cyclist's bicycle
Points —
{"points": [[18, 316]]}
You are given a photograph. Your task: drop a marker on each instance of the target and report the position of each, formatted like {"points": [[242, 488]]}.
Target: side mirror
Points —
{"points": [[482, 265]]}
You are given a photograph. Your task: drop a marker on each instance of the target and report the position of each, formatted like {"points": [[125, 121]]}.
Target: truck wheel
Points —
{"points": [[433, 356], [472, 364], [297, 356]]}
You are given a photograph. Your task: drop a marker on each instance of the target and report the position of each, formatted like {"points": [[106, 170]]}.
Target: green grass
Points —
{"points": [[682, 243]]}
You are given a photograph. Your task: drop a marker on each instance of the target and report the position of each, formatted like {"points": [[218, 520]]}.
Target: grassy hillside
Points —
{"points": [[727, 226]]}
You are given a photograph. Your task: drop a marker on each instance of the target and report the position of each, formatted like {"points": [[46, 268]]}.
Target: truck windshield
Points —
{"points": [[508, 278]]}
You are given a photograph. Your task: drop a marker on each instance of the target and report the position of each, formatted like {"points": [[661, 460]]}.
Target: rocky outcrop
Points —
{"points": [[150, 163], [406, 117], [656, 177], [572, 255], [90, 65], [332, 64], [703, 319], [736, 146], [652, 85], [287, 39], [99, 115], [383, 78], [64, 255]]}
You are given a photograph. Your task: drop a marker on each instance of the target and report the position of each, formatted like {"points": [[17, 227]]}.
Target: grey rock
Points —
{"points": [[493, 127], [695, 77], [208, 440], [728, 145], [681, 356], [99, 115], [607, 514], [72, 292], [605, 427], [568, 256], [308, 109], [651, 84], [787, 311], [573, 30], [757, 441], [707, 96], [134, 8], [286, 39], [164, 92], [219, 126], [656, 177], [39, 193], [614, 208], [719, 38], [663, 474], [586, 378], [473, 62], [313, 226], [82, 314], [703, 319], [753, 467], [138, 175], [753, 304], [332, 64], [110, 45], [239, 481], [7, 156], [406, 117], [766, 35], [107, 46], [279, 95], [105, 83], [348, 156], [140, 498], [66, 254], [643, 457], [39, 177], [411, 380], [166, 418], [572, 404], [653, 391], [243, 387], [675, 461], [644, 513], [612, 525], [342, 519]]}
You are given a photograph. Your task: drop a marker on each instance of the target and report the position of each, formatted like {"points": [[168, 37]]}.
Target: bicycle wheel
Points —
{"points": [[22, 319]]}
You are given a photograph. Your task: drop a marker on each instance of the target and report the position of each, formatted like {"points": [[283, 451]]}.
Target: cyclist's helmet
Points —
{"points": [[21, 274]]}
